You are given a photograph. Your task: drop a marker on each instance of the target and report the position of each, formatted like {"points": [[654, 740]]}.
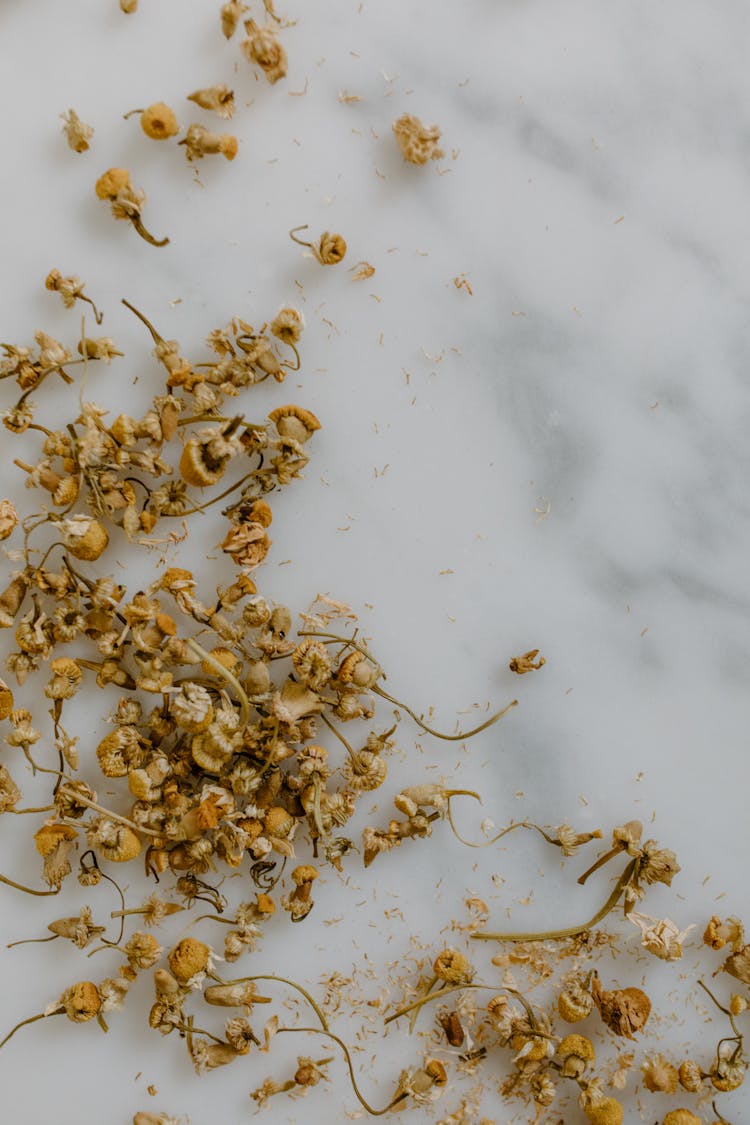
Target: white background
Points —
{"points": [[569, 443]]}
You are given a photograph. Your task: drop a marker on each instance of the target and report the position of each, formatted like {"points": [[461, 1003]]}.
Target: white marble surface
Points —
{"points": [[556, 460]]}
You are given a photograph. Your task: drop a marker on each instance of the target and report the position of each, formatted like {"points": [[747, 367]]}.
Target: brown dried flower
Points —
{"points": [[659, 1075], [189, 958], [527, 663], [624, 1010], [217, 99], [418, 142], [263, 47], [200, 142], [158, 121], [77, 132]]}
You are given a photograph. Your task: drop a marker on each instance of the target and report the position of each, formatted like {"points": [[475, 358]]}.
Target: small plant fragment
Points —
{"points": [[418, 142], [329, 250], [158, 121], [216, 99], [77, 132], [527, 663], [128, 6], [200, 142], [264, 48]]}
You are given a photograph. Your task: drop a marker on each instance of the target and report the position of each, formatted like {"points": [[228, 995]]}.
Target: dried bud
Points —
{"points": [[77, 132], [264, 48], [681, 1117], [159, 122], [116, 842], [128, 6], [217, 99], [418, 142], [231, 14], [200, 142]]}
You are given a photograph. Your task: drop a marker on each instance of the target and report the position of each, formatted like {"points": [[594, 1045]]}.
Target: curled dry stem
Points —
{"points": [[428, 998], [571, 931], [357, 1092], [31, 1019]]}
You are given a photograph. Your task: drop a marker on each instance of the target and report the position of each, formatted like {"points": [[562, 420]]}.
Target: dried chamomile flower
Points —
{"points": [[128, 6], [299, 903], [658, 865], [189, 961], [576, 1053], [231, 14], [207, 453], [681, 1117], [126, 202], [85, 537], [263, 47], [114, 841], [418, 142], [690, 1076], [425, 1084], [295, 422], [81, 1002], [624, 1010], [209, 1056], [240, 995], [217, 99], [719, 933], [77, 132], [158, 121], [8, 518], [452, 967], [659, 1075], [602, 1110], [729, 1071], [660, 936], [71, 290], [79, 929], [328, 250], [288, 325], [200, 142]]}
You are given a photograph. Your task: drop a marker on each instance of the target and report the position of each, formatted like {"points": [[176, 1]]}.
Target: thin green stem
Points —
{"points": [[605, 858], [571, 931]]}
